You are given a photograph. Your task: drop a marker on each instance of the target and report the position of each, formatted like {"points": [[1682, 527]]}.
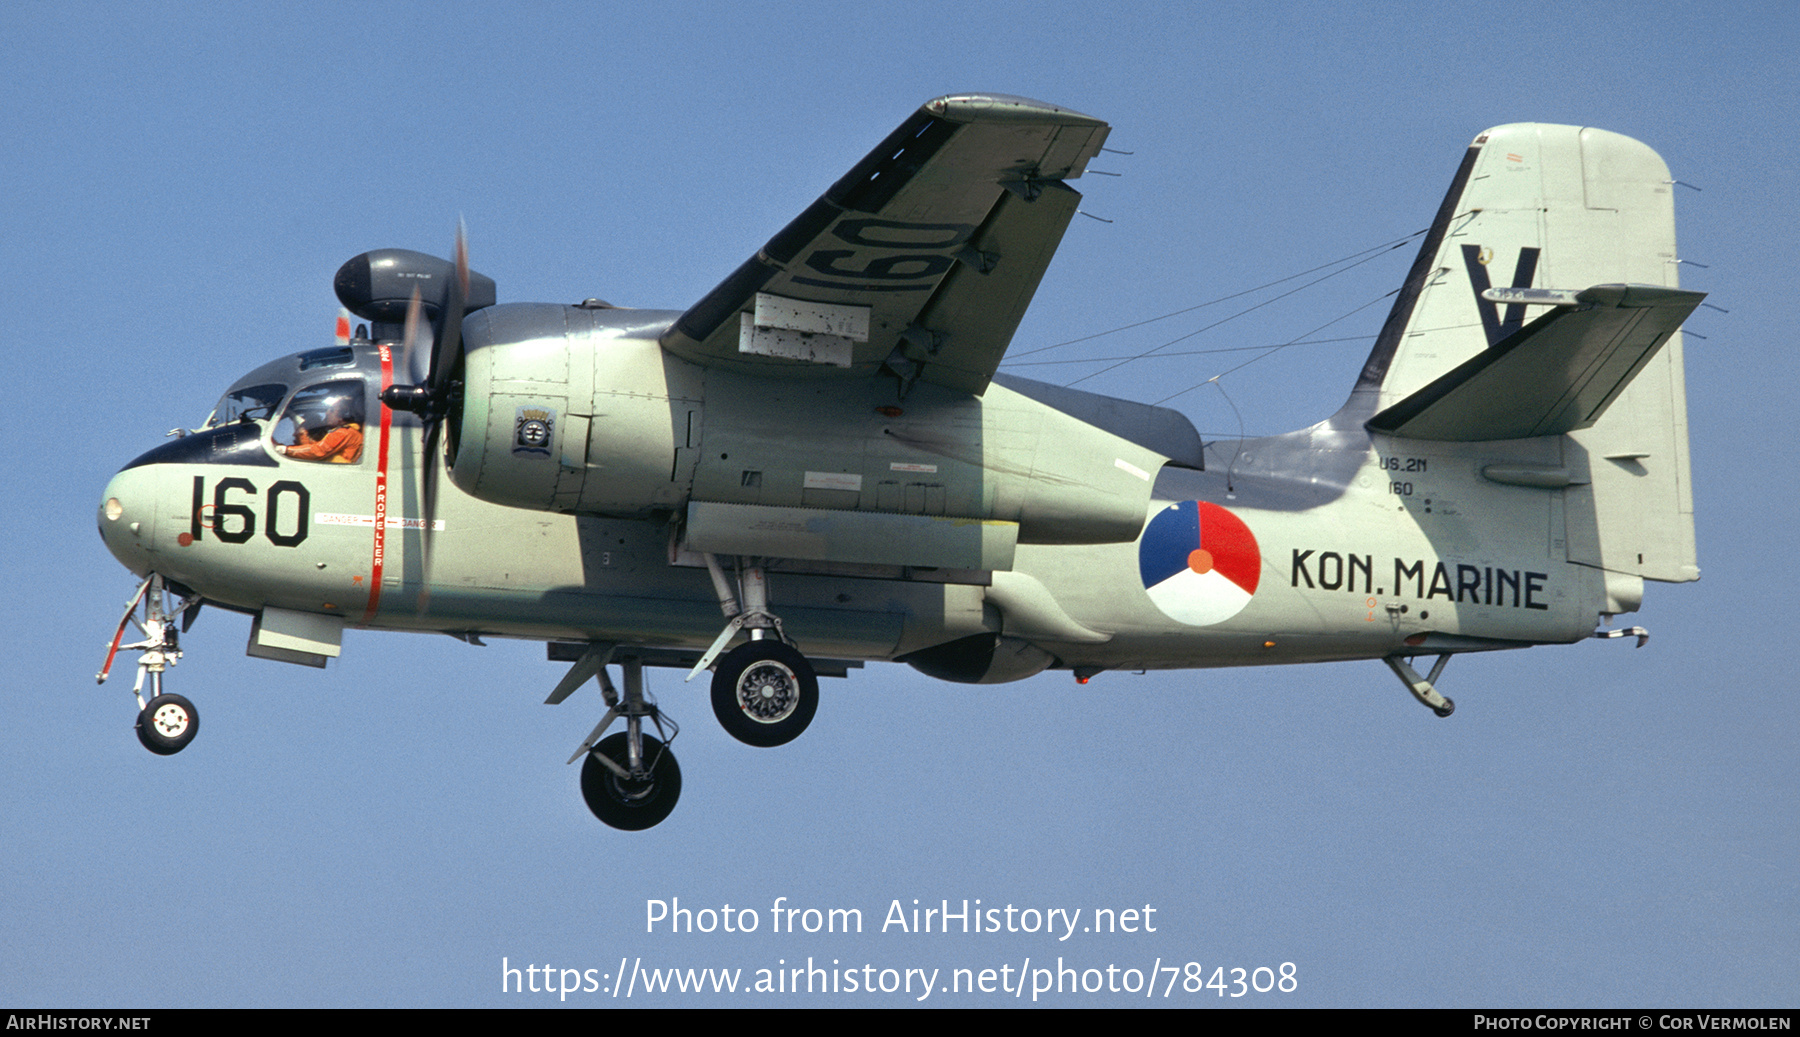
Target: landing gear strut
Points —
{"points": [[630, 779], [166, 723]]}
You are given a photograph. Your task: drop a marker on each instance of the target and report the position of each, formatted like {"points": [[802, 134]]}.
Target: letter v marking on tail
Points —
{"points": [[1491, 321]]}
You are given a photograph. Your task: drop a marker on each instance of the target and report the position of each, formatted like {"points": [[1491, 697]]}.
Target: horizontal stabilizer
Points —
{"points": [[1557, 374]]}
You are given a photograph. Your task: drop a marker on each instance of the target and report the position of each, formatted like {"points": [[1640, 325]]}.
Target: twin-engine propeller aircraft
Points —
{"points": [[816, 464]]}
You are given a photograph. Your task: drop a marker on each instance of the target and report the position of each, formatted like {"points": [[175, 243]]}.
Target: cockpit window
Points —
{"points": [[256, 403], [330, 356], [323, 423]]}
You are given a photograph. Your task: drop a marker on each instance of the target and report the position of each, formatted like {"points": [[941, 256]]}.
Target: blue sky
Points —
{"points": [[1597, 825]]}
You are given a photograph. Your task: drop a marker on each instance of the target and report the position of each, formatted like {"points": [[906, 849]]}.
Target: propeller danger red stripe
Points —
{"points": [[381, 474]]}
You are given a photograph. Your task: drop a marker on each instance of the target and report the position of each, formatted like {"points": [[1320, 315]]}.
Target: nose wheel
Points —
{"points": [[167, 724]]}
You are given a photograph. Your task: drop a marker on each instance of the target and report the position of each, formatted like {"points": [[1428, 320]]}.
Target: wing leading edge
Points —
{"points": [[919, 262]]}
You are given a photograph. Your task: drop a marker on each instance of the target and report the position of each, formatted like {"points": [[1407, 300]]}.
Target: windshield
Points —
{"points": [[256, 403]]}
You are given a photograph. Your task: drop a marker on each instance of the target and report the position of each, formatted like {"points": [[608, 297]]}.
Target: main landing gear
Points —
{"points": [[764, 692], [630, 779], [166, 723]]}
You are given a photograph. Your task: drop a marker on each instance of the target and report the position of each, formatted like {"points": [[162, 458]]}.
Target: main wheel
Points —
{"points": [[765, 693], [168, 724], [630, 805]]}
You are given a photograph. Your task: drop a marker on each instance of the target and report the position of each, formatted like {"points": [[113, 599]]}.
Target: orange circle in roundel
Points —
{"points": [[1200, 560]]}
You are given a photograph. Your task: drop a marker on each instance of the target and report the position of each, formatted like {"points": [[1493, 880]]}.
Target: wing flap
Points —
{"points": [[941, 233], [964, 330], [1557, 374]]}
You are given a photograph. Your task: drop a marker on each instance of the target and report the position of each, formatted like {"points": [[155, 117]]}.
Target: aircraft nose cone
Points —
{"points": [[127, 519]]}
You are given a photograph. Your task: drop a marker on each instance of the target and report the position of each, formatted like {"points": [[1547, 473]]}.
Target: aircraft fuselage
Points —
{"points": [[1355, 547]]}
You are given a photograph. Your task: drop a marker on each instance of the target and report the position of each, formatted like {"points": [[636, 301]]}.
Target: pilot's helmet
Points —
{"points": [[334, 408]]}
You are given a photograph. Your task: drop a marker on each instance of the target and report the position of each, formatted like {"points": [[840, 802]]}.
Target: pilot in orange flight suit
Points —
{"points": [[342, 445]]}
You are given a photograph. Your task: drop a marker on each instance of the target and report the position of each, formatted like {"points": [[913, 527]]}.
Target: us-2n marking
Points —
{"points": [[1474, 584], [235, 522], [1391, 465]]}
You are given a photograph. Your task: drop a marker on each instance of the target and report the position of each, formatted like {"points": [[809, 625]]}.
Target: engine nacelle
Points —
{"points": [[567, 408], [577, 409]]}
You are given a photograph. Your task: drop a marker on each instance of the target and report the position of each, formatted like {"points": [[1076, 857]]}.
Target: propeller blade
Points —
{"points": [[414, 316], [443, 359], [428, 494], [414, 399], [449, 331], [432, 400]]}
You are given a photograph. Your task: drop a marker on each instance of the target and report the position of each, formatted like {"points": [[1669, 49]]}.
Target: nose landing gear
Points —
{"points": [[166, 723], [630, 798]]}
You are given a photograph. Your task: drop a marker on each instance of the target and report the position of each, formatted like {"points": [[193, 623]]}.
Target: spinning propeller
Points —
{"points": [[432, 400], [438, 295]]}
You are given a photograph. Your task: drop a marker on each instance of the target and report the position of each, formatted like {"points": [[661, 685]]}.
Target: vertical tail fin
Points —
{"points": [[1564, 208]]}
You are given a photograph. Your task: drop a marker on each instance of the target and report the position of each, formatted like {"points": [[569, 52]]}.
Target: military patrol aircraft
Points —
{"points": [[816, 464]]}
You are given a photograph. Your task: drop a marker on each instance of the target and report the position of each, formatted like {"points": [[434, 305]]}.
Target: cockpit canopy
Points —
{"points": [[250, 404], [255, 396], [288, 407]]}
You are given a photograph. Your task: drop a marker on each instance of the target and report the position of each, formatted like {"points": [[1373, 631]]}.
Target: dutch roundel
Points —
{"points": [[1199, 563]]}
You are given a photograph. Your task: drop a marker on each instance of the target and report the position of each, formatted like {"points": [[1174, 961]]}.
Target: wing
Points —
{"points": [[919, 263]]}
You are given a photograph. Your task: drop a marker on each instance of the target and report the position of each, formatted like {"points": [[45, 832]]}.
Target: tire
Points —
{"points": [[765, 693], [630, 806], [168, 724]]}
